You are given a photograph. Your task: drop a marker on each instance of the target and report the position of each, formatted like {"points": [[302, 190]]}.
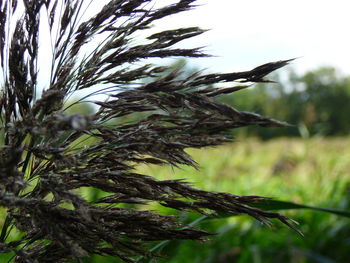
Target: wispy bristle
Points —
{"points": [[157, 112]]}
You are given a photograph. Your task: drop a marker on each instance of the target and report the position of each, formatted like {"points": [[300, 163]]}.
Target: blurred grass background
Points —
{"points": [[309, 171]]}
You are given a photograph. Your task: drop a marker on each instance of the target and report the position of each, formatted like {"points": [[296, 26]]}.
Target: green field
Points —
{"points": [[314, 172]]}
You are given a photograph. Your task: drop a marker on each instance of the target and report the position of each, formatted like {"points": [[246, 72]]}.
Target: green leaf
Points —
{"points": [[284, 205], [268, 205]]}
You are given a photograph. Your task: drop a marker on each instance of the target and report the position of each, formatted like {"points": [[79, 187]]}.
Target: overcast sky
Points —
{"points": [[246, 33]]}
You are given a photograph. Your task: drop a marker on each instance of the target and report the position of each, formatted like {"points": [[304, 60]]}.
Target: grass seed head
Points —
{"points": [[48, 156]]}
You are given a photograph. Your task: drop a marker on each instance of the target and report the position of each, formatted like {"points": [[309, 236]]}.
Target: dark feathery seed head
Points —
{"points": [[49, 155]]}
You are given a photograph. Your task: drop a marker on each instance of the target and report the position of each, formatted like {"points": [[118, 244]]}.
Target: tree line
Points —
{"points": [[315, 103]]}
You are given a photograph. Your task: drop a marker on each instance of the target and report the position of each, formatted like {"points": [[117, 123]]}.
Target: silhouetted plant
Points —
{"points": [[44, 162]]}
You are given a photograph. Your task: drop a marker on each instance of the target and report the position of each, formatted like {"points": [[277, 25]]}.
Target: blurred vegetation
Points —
{"points": [[311, 171], [314, 171], [315, 103]]}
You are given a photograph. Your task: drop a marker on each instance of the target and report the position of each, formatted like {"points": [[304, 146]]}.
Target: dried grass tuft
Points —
{"points": [[42, 163]]}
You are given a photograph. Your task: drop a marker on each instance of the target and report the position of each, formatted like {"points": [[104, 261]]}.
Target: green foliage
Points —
{"points": [[314, 172], [317, 101]]}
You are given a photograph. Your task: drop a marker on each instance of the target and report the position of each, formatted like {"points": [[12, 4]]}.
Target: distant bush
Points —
{"points": [[317, 101]]}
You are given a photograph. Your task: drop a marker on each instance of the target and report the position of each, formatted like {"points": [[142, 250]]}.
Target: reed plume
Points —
{"points": [[44, 162]]}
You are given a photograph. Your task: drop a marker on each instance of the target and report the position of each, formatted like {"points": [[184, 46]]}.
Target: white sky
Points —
{"points": [[247, 33]]}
